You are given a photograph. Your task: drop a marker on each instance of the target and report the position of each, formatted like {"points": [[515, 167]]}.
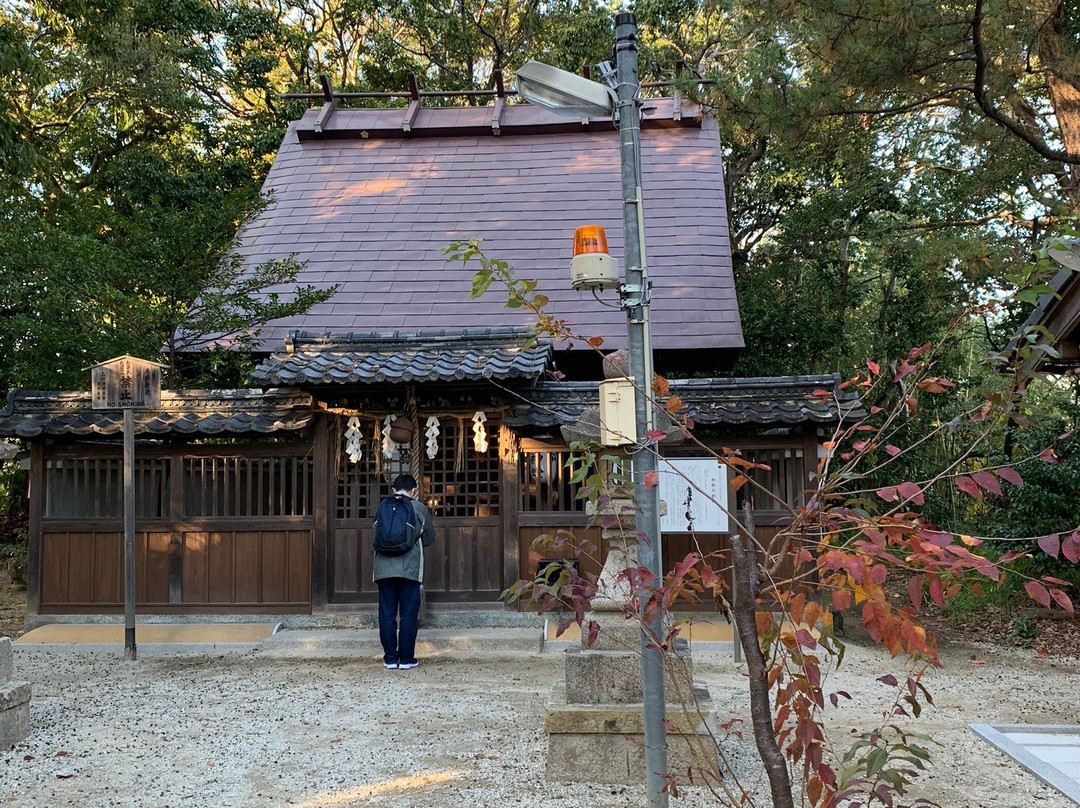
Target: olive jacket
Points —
{"points": [[410, 565]]}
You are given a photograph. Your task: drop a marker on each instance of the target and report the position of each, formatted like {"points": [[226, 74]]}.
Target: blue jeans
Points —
{"points": [[398, 596]]}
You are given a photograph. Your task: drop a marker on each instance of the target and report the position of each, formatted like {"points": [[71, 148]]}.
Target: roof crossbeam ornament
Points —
{"points": [[414, 104], [676, 108], [329, 105], [500, 102]]}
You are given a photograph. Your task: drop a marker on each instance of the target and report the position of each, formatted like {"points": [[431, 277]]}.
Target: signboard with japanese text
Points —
{"points": [[125, 382], [692, 490]]}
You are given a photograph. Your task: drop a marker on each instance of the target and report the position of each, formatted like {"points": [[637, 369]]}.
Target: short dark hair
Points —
{"points": [[404, 482]]}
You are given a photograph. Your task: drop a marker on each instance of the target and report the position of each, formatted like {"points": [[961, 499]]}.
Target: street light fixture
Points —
{"points": [[573, 95], [564, 92], [1067, 253]]}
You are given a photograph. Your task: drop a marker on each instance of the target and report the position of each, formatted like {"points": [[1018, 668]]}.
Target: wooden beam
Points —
{"points": [[33, 544], [500, 103], [324, 498], [676, 107], [328, 107], [414, 105], [510, 497], [176, 536]]}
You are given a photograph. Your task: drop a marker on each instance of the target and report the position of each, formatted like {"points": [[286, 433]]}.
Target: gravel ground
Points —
{"points": [[314, 725]]}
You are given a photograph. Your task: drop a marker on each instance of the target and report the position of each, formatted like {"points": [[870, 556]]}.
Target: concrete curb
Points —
{"points": [[142, 649]]}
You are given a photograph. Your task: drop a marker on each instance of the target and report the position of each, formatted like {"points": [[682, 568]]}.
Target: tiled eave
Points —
{"points": [[404, 357], [769, 401], [417, 121], [31, 414]]}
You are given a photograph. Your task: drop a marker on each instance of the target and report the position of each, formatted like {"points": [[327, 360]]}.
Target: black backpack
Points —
{"points": [[396, 526]]}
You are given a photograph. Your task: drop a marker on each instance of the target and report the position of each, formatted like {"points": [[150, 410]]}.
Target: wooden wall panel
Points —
{"points": [[54, 568], [458, 553], [274, 569], [343, 550], [437, 558], [466, 560], [194, 559], [489, 559], [363, 555], [298, 564], [464, 564], [246, 578], [220, 569], [152, 564], [81, 566], [107, 579]]}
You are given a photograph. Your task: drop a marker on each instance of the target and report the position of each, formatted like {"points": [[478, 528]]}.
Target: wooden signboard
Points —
{"points": [[125, 382], [694, 486]]}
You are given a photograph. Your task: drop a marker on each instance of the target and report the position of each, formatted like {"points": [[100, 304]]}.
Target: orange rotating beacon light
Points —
{"points": [[592, 267]]}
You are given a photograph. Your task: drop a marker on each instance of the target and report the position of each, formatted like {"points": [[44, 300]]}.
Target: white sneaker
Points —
{"points": [[408, 665], [391, 666]]}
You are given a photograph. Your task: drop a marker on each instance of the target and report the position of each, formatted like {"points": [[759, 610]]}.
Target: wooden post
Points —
{"points": [[324, 444], [126, 383], [35, 540], [129, 533]]}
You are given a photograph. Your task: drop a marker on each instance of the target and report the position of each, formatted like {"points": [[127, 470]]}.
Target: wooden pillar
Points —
{"points": [[323, 501], [176, 535], [509, 501], [37, 512]]}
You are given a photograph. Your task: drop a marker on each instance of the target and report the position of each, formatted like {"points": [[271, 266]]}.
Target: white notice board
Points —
{"points": [[703, 481]]}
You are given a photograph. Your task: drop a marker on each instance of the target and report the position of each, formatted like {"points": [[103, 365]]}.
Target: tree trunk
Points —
{"points": [[744, 608], [1064, 93], [843, 262]]}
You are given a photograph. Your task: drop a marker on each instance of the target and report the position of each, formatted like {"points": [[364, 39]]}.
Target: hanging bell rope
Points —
{"points": [[459, 455], [415, 445]]}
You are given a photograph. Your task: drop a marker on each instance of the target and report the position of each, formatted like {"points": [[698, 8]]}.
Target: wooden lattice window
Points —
{"points": [[785, 478], [247, 486], [460, 481], [86, 488], [360, 485], [544, 479]]}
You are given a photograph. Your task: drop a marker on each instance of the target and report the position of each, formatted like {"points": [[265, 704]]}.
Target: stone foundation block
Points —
{"points": [[605, 743], [614, 677], [617, 633], [7, 660], [14, 713]]}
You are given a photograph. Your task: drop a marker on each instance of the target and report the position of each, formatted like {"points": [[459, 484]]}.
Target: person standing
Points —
{"points": [[401, 531]]}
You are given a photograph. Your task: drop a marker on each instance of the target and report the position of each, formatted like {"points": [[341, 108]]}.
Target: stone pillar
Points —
{"points": [[14, 700], [595, 719]]}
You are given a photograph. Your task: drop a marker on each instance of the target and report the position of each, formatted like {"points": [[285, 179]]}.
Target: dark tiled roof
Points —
{"points": [[1058, 312], [209, 412], [373, 213], [778, 400], [435, 356]]}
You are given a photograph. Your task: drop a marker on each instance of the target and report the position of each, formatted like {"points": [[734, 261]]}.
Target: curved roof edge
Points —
{"points": [[32, 413]]}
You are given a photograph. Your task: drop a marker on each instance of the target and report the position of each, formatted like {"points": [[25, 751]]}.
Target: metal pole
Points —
{"points": [[639, 349], [129, 533]]}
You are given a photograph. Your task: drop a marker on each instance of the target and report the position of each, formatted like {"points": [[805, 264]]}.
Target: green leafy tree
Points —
{"points": [[855, 194], [135, 146], [836, 553]]}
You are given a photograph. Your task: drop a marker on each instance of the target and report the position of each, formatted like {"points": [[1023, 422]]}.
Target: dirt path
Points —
{"points": [[319, 729], [322, 728]]}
